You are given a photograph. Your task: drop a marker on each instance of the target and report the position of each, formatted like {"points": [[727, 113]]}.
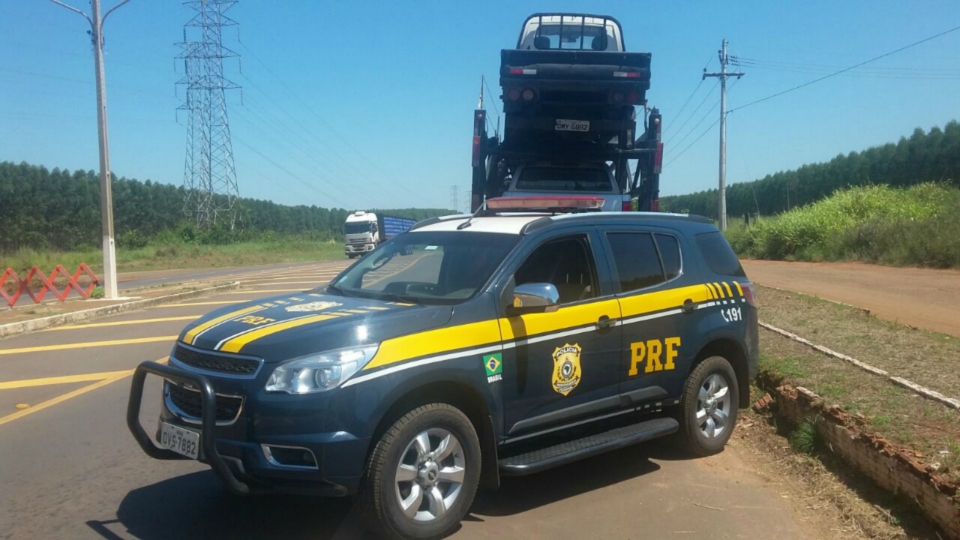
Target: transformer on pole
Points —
{"points": [[209, 174]]}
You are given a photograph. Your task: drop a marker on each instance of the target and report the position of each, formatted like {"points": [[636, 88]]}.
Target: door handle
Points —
{"points": [[605, 322], [688, 306]]}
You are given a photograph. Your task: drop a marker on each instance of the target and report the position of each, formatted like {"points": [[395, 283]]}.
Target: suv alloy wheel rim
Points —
{"points": [[713, 406], [430, 475]]}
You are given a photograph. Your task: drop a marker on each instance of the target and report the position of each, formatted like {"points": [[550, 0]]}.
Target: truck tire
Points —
{"points": [[422, 475], [708, 407]]}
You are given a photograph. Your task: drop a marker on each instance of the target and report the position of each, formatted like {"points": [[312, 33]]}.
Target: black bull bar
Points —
{"points": [[208, 441]]}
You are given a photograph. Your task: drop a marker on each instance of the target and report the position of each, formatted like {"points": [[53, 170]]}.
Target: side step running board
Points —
{"points": [[553, 456]]}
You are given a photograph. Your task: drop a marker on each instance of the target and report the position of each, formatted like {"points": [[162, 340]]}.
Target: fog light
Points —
{"points": [[528, 94], [514, 94], [618, 97]]}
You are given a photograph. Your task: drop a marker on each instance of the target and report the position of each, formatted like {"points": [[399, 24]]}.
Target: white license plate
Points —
{"points": [[572, 125], [181, 441]]}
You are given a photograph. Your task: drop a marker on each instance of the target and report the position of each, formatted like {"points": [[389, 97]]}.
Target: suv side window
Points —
{"points": [[637, 261], [719, 255], [669, 255], [567, 263]]}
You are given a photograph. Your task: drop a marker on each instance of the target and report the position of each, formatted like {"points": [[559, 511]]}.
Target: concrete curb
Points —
{"points": [[33, 325], [923, 391], [892, 467]]}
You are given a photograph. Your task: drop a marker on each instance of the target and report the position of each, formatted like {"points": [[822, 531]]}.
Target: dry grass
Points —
{"points": [[926, 358]]}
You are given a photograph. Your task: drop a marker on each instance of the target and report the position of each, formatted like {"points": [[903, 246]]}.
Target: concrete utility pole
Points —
{"points": [[723, 130], [106, 195]]}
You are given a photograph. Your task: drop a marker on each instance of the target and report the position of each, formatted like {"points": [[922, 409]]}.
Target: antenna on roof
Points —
{"points": [[467, 223]]}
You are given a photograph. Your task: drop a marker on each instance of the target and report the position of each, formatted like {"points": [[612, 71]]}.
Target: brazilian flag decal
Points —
{"points": [[493, 364]]}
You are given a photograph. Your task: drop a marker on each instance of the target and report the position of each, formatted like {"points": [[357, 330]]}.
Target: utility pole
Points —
{"points": [[454, 198], [723, 75], [106, 195]]}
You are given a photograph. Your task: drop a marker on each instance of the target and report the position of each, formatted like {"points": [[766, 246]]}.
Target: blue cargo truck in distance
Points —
{"points": [[363, 231]]}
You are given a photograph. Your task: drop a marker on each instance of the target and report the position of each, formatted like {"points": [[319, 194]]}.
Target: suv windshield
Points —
{"points": [[358, 227], [563, 179], [444, 267]]}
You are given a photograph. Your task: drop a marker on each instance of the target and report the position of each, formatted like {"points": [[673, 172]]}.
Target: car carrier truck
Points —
{"points": [[570, 94], [364, 231]]}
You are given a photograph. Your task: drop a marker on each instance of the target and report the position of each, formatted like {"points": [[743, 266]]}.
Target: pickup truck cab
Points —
{"points": [[471, 347]]}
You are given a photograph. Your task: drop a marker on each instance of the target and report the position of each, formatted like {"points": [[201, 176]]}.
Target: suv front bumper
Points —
{"points": [[244, 462]]}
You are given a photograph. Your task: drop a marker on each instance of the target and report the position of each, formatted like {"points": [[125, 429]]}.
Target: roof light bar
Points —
{"points": [[568, 203], [522, 71], [627, 74]]}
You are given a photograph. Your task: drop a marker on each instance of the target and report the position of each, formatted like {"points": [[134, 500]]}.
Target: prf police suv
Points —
{"points": [[464, 350]]}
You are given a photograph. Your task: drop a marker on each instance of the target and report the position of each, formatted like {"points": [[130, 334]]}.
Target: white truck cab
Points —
{"points": [[361, 233]]}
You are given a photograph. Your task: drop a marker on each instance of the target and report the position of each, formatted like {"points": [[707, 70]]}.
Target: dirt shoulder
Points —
{"points": [[920, 297]]}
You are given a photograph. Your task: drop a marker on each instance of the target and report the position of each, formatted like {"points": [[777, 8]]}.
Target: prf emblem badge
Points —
{"points": [[312, 306], [566, 368], [493, 364]]}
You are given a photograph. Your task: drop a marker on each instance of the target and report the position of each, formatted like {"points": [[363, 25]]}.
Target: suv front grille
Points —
{"points": [[215, 362], [190, 403]]}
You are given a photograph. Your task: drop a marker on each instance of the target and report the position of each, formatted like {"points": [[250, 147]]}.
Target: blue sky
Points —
{"points": [[378, 96]]}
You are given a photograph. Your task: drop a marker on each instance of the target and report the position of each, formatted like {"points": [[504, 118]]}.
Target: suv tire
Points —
{"points": [[708, 407], [423, 474]]}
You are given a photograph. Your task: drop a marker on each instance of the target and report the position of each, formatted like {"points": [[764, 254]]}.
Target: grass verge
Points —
{"points": [[180, 255], [926, 358], [917, 226], [928, 429]]}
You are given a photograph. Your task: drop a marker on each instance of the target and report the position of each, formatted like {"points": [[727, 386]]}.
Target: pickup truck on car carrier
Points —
{"points": [[570, 92], [532, 334]]}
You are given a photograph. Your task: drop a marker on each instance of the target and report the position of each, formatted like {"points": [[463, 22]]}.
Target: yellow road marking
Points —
{"points": [[265, 291], [70, 395], [123, 323], [66, 346], [360, 311], [281, 283], [67, 379], [204, 303]]}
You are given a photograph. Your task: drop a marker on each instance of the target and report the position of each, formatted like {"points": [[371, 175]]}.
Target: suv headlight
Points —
{"points": [[320, 372]]}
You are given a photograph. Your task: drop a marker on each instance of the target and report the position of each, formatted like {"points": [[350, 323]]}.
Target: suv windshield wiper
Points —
{"points": [[402, 298], [338, 290]]}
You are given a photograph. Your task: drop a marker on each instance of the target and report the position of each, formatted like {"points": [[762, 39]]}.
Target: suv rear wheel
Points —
{"points": [[708, 408], [423, 474]]}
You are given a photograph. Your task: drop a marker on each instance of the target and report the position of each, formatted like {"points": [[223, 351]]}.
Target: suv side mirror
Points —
{"points": [[534, 298]]}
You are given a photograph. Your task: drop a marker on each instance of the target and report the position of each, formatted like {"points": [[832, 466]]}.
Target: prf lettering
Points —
{"points": [[256, 321], [651, 351]]}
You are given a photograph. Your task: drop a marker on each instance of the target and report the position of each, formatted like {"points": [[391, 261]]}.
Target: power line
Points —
{"points": [[692, 114], [306, 105], [685, 103], [715, 122], [844, 70], [676, 157]]}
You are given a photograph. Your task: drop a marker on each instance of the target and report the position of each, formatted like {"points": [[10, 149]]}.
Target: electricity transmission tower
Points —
{"points": [[723, 75], [209, 174]]}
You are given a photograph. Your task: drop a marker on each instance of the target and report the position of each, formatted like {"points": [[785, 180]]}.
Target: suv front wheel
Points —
{"points": [[708, 408], [423, 474]]}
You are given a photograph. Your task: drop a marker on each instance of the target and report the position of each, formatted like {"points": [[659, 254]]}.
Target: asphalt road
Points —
{"points": [[70, 469]]}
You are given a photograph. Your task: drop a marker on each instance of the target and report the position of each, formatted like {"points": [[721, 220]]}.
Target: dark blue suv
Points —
{"points": [[468, 348]]}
